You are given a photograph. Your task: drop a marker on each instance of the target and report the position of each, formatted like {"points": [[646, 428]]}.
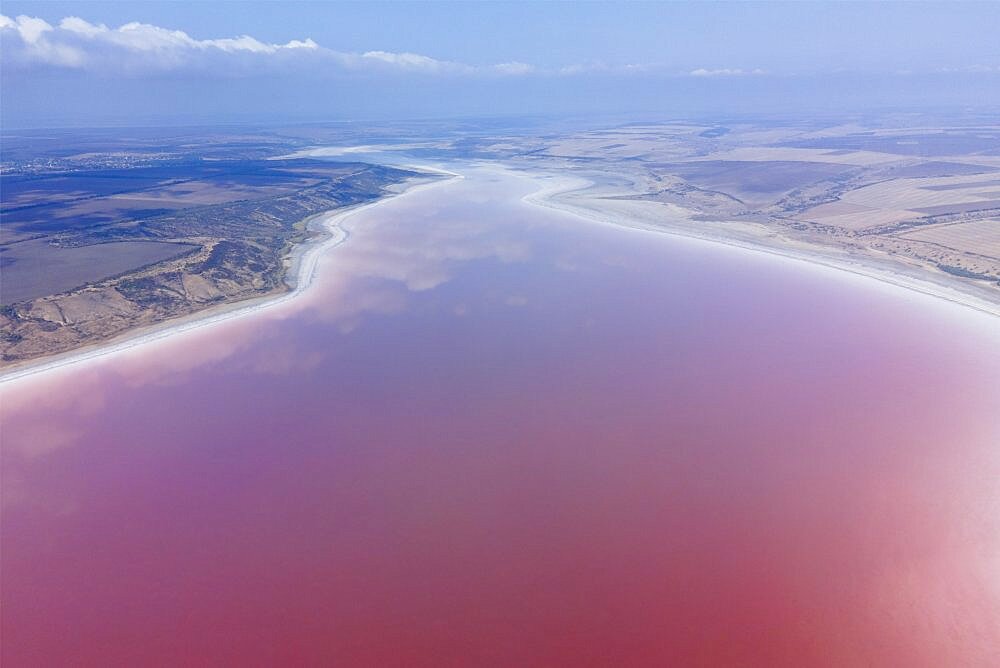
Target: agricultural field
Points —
{"points": [[34, 268], [979, 237]]}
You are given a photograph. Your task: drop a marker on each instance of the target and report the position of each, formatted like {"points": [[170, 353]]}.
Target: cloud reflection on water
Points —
{"points": [[412, 244]]}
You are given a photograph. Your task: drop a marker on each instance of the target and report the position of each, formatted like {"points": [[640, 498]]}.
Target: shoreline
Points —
{"points": [[567, 198], [301, 264]]}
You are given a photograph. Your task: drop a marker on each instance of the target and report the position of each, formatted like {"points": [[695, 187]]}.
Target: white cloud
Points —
{"points": [[599, 67], [583, 68], [413, 62], [29, 28], [145, 37], [306, 43], [79, 44], [139, 47], [514, 68], [724, 72], [79, 26], [32, 33]]}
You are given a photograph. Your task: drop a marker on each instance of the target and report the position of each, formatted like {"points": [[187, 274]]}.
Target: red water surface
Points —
{"points": [[496, 435]]}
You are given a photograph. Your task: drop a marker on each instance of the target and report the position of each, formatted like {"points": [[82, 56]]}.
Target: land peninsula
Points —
{"points": [[95, 246]]}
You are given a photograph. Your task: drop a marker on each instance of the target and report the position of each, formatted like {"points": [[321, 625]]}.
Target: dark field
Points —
{"points": [[34, 269]]}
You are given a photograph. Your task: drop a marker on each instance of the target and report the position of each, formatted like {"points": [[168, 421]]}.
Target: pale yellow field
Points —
{"points": [[764, 154], [979, 236], [913, 193], [618, 146], [863, 219], [838, 208]]}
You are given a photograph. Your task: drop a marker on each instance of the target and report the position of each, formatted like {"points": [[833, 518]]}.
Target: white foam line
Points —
{"points": [[306, 262]]}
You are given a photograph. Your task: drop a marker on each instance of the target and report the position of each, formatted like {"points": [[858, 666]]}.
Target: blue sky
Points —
{"points": [[110, 62]]}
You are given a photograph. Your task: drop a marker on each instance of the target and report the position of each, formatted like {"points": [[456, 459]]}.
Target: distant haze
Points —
{"points": [[99, 63]]}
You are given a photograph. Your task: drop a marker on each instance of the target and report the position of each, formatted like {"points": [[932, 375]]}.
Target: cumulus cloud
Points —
{"points": [[78, 44], [29, 34], [30, 29]]}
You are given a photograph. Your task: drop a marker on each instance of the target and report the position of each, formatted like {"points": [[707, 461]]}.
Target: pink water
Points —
{"points": [[491, 434]]}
